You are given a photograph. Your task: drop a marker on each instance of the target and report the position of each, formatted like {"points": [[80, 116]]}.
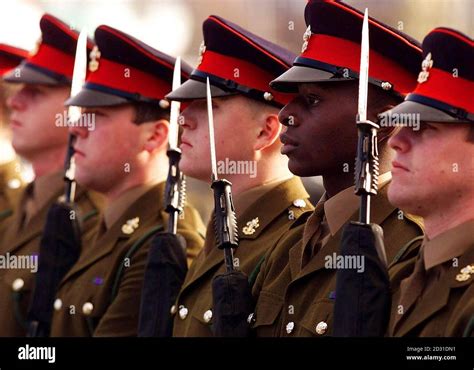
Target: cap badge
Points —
{"points": [[94, 56], [306, 37], [202, 50], [426, 65], [130, 226], [251, 226]]}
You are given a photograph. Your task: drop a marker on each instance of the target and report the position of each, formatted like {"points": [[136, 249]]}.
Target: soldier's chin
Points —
{"points": [[27, 150], [82, 178], [191, 169], [400, 197], [299, 168], [85, 179]]}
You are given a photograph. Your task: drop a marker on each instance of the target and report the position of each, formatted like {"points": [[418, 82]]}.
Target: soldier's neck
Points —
{"points": [[122, 187], [337, 182], [49, 162], [442, 219], [153, 172]]}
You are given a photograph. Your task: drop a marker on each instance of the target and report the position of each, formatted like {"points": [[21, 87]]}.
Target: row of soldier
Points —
{"points": [[138, 269]]}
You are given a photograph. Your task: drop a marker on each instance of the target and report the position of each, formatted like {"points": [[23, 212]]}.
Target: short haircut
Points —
{"points": [[470, 135], [147, 112]]}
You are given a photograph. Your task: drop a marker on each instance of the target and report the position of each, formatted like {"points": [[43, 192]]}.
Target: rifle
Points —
{"points": [[166, 265], [363, 303], [225, 221]]}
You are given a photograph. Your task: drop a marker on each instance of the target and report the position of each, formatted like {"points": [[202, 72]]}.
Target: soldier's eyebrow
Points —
{"points": [[313, 88], [96, 111]]}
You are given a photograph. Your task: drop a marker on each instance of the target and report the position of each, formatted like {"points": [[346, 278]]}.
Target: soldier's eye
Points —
{"points": [[312, 99], [426, 126]]}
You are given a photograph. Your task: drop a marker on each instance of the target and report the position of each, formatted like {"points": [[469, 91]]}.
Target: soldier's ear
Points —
{"points": [[269, 132], [156, 135]]}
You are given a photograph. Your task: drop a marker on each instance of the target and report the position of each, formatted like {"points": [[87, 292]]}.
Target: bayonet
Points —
{"points": [[367, 161], [225, 221], [175, 191]]}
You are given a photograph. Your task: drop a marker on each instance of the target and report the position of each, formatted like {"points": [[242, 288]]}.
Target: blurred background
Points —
{"points": [[174, 27]]}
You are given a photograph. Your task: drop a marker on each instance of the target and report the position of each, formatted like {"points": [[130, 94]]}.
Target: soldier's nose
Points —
{"points": [[15, 101], [79, 131], [400, 141], [286, 117]]}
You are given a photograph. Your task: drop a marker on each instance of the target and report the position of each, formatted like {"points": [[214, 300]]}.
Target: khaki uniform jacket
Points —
{"points": [[446, 306], [100, 295], [11, 184], [16, 285], [296, 301], [275, 211]]}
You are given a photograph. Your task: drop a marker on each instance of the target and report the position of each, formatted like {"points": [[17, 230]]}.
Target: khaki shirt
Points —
{"points": [[22, 238], [295, 291], [100, 295], [261, 225], [437, 297]]}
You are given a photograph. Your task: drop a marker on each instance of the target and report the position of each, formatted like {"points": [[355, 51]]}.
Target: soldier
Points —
{"points": [[124, 157], [40, 135], [11, 181], [239, 66], [433, 176], [295, 289]]}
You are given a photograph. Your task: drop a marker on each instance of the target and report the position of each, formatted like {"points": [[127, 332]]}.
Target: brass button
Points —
{"points": [[289, 327], [183, 312], [87, 308], [173, 309], [58, 304], [321, 328], [207, 316], [18, 284]]}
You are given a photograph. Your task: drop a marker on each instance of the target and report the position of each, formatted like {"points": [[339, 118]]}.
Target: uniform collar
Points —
{"points": [[117, 208], [243, 201], [339, 208], [448, 245], [40, 193]]}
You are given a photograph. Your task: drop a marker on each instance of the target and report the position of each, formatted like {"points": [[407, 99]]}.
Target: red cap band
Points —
{"points": [[54, 60], [131, 80], [345, 53], [240, 71], [443, 86]]}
